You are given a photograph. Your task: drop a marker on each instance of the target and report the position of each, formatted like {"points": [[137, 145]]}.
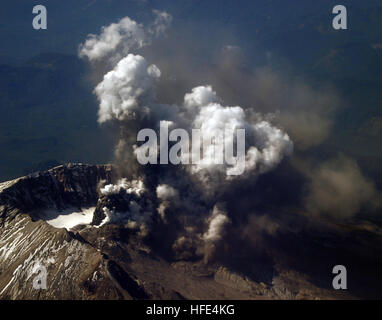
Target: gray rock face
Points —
{"points": [[27, 242], [71, 185], [90, 261]]}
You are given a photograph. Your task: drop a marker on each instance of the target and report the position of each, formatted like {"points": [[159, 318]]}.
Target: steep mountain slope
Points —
{"points": [[109, 261]]}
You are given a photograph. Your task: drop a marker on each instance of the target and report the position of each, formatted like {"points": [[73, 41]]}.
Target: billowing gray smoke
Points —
{"points": [[190, 197]]}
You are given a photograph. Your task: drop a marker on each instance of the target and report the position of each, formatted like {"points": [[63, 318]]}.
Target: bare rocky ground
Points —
{"points": [[110, 262]]}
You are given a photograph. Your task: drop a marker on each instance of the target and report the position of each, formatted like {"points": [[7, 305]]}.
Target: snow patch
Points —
{"points": [[69, 218]]}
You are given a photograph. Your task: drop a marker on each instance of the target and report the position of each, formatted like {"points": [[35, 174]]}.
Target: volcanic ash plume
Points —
{"points": [[180, 198]]}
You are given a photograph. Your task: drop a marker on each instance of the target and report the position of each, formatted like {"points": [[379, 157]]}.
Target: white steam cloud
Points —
{"points": [[166, 192], [134, 186], [115, 39], [267, 144], [217, 222], [127, 89], [118, 39]]}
